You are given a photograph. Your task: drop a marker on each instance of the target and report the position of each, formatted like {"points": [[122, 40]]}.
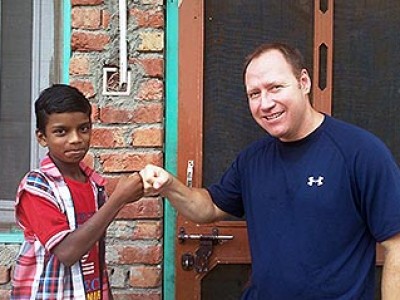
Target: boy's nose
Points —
{"points": [[75, 137]]}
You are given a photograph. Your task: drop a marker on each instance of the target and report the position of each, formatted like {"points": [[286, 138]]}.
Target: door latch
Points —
{"points": [[187, 261], [189, 173], [200, 259]]}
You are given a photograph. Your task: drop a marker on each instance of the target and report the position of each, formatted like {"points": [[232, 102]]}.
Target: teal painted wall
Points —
{"points": [[171, 133]]}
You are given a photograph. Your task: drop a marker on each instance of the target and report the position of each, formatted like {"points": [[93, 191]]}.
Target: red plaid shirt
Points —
{"points": [[38, 273]]}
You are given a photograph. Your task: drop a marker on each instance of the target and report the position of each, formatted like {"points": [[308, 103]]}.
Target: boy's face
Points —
{"points": [[67, 137]]}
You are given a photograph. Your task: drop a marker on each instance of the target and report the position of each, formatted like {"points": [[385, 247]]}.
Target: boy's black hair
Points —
{"points": [[59, 98]]}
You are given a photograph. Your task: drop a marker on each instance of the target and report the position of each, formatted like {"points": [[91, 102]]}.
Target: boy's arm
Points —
{"points": [[80, 241]]}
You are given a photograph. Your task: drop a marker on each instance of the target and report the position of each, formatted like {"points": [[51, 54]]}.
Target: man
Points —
{"points": [[317, 193]]}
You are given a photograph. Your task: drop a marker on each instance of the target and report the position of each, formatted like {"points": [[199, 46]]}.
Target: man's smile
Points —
{"points": [[273, 116]]}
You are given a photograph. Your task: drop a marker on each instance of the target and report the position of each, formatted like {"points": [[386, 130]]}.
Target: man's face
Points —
{"points": [[278, 100], [67, 136]]}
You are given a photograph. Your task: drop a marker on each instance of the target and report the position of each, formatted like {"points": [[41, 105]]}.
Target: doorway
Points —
{"points": [[349, 48]]}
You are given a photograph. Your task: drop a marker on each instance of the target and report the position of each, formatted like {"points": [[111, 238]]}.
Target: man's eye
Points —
{"points": [[277, 87], [253, 95]]}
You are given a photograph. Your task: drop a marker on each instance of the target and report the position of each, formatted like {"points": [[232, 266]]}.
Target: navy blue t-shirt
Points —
{"points": [[314, 209]]}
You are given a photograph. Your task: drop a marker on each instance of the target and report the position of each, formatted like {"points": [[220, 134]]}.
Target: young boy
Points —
{"points": [[61, 206]]}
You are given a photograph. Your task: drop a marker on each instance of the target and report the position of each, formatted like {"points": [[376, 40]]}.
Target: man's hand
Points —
{"points": [[155, 180]]}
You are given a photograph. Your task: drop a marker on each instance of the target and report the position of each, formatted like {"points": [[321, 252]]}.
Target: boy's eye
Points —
{"points": [[59, 131], [85, 128]]}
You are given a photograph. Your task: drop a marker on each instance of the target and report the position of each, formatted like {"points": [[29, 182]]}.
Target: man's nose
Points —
{"points": [[267, 101]]}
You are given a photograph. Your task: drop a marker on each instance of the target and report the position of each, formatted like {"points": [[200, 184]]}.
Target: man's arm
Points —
{"points": [[391, 269], [81, 240], [193, 203]]}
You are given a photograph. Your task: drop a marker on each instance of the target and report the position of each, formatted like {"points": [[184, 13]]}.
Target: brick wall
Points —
{"points": [[128, 132], [7, 255]]}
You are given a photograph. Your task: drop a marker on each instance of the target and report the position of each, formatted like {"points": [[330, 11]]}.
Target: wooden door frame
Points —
{"points": [[191, 64], [191, 87], [323, 38]]}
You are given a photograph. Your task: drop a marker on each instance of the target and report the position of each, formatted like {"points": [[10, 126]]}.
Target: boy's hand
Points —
{"points": [[129, 188], [155, 180]]}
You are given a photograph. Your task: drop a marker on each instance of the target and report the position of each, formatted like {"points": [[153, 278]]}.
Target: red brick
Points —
{"points": [[6, 294], [129, 162], [145, 276], [152, 113], [95, 113], [85, 86], [105, 19], [111, 183], [84, 41], [86, 18], [153, 18], [79, 65], [111, 115], [137, 295], [89, 160], [148, 137], [140, 254], [144, 208], [86, 2], [152, 89], [153, 67], [4, 274], [147, 230], [152, 2], [108, 137]]}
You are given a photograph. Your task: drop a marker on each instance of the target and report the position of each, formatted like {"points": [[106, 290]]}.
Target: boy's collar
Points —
{"points": [[48, 167]]}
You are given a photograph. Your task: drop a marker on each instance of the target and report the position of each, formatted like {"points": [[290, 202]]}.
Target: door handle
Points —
{"points": [[200, 260]]}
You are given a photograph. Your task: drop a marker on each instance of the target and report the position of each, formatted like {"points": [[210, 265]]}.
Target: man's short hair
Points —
{"points": [[292, 55]]}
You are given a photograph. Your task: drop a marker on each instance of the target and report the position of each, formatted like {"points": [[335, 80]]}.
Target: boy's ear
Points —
{"points": [[41, 138]]}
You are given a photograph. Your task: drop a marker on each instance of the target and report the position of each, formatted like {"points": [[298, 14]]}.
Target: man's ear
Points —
{"points": [[41, 138], [305, 81]]}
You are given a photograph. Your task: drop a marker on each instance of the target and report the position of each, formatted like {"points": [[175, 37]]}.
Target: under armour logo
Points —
{"points": [[318, 181]]}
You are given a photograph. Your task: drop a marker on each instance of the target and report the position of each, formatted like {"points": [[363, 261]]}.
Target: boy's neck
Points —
{"points": [[81, 177], [72, 171]]}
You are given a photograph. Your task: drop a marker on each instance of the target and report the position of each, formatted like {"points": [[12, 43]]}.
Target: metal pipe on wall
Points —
{"points": [[123, 55]]}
